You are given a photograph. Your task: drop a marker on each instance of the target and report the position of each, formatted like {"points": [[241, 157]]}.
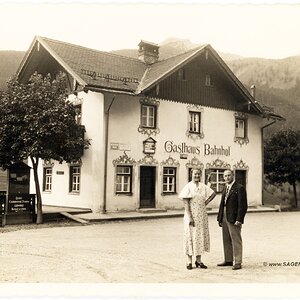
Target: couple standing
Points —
{"points": [[232, 210]]}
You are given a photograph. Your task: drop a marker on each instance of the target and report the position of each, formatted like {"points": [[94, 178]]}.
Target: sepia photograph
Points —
{"points": [[149, 149]]}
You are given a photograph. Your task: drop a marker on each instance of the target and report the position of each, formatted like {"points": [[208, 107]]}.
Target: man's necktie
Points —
{"points": [[227, 192]]}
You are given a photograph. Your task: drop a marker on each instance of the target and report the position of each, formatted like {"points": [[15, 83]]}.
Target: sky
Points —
{"points": [[269, 30]]}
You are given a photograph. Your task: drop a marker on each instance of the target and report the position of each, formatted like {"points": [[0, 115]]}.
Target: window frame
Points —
{"points": [[47, 176], [123, 175], [239, 116], [71, 179], [194, 113], [208, 80], [171, 181], [181, 74], [245, 131], [147, 116], [220, 183]]}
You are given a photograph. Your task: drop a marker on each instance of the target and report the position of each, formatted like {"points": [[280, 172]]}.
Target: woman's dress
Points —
{"points": [[196, 239]]}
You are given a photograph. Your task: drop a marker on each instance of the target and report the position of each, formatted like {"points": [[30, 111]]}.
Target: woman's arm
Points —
{"points": [[210, 198], [186, 202]]}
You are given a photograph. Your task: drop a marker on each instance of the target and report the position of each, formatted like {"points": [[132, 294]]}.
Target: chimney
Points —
{"points": [[148, 52], [252, 87]]}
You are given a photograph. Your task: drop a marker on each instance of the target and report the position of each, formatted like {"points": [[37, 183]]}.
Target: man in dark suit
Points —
{"points": [[232, 210]]}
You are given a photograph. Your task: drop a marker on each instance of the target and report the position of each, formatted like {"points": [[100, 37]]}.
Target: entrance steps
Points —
{"points": [[74, 218]]}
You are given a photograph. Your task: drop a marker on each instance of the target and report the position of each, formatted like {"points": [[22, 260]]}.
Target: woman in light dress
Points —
{"points": [[196, 196]]}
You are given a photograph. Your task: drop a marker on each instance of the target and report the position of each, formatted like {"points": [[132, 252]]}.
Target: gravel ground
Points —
{"points": [[17, 227], [146, 251]]}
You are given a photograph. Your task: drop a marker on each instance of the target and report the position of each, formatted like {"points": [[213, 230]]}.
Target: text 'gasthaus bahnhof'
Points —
{"points": [[207, 149]]}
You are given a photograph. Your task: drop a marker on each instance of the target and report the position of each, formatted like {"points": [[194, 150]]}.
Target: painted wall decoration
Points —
{"points": [[124, 159]]}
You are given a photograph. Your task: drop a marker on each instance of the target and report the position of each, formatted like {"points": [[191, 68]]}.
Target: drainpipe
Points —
{"points": [[263, 156], [106, 154]]}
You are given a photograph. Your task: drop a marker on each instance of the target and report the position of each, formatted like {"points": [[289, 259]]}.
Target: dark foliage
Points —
{"points": [[38, 122], [282, 158]]}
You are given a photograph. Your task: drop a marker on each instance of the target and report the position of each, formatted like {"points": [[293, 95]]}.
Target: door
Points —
{"points": [[240, 177], [147, 187]]}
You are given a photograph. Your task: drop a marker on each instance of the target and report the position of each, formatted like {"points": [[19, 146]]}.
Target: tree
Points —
{"points": [[282, 158], [38, 122]]}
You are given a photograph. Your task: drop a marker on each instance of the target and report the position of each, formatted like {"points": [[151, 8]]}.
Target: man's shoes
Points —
{"points": [[225, 264], [236, 267]]}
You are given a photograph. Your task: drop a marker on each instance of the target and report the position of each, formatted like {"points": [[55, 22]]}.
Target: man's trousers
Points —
{"points": [[232, 241]]}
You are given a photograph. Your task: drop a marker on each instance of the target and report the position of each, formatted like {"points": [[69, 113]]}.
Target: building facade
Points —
{"points": [[150, 122]]}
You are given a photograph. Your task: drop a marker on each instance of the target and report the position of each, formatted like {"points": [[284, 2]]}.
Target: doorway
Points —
{"points": [[147, 186], [240, 177]]}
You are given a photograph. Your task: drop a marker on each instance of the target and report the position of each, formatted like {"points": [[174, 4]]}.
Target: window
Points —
{"points": [[157, 89], [240, 128], [148, 116], [194, 122], [47, 180], [124, 179], [194, 129], [215, 178], [181, 74], [78, 114], [169, 180], [75, 179], [208, 80]]}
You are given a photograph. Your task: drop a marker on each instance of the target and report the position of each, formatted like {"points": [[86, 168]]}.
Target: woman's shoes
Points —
{"points": [[200, 265]]}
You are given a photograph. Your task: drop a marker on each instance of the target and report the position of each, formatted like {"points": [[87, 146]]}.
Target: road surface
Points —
{"points": [[149, 251]]}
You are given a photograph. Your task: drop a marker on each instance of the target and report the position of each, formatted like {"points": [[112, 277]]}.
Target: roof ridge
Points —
{"points": [[91, 49], [184, 53]]}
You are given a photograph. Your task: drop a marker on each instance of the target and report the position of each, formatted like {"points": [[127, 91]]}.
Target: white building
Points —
{"points": [[149, 122]]}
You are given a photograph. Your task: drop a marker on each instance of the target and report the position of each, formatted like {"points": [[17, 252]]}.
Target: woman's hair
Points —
{"points": [[229, 170], [196, 169]]}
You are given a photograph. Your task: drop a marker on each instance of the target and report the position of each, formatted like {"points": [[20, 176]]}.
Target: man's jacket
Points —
{"points": [[236, 204]]}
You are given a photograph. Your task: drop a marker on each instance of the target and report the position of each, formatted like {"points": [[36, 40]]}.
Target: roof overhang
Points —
{"points": [[270, 114], [36, 43], [252, 101], [102, 89]]}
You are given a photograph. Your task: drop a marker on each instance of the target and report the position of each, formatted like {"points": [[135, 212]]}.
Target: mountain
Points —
{"points": [[172, 47], [277, 85], [277, 81], [9, 63]]}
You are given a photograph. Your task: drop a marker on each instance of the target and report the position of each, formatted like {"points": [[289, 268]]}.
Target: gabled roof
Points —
{"points": [[107, 71], [91, 67], [162, 69]]}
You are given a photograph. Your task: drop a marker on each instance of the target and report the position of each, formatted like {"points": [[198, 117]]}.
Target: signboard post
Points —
{"points": [[18, 205], [19, 208]]}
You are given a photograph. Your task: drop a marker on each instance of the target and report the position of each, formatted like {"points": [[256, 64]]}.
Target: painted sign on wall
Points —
{"points": [[149, 146], [183, 148]]}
